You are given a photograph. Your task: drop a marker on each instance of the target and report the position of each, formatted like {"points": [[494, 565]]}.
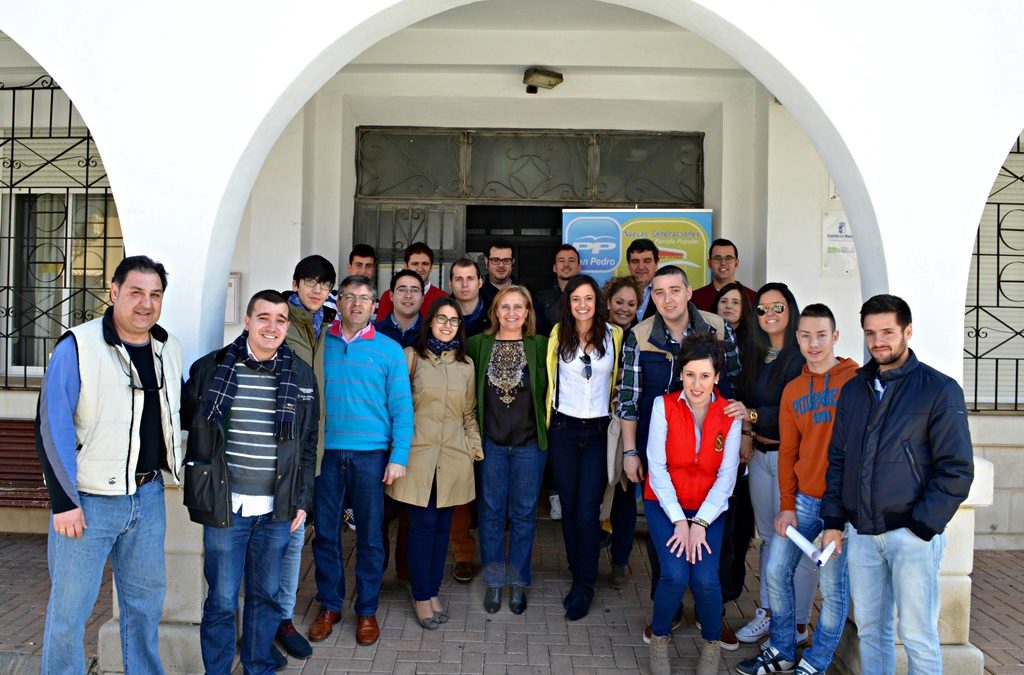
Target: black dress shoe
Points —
{"points": [[280, 662], [517, 599], [292, 641], [579, 603], [492, 599]]}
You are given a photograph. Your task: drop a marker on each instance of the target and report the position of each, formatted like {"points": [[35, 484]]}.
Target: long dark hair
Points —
{"points": [[568, 340], [742, 330], [759, 342], [425, 330]]}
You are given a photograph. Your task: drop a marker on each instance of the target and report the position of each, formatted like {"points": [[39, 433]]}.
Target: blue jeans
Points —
{"points": [[291, 567], [896, 568], [509, 489], [783, 558], [677, 574], [429, 530], [577, 450], [349, 477], [128, 529], [251, 547]]}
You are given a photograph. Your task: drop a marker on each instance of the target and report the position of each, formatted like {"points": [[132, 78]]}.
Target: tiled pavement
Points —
{"points": [[540, 641]]}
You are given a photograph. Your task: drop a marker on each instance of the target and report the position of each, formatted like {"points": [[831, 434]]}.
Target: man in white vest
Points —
{"points": [[107, 428]]}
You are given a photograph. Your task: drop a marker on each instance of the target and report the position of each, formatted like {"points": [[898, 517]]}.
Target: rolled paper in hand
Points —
{"points": [[809, 549]]}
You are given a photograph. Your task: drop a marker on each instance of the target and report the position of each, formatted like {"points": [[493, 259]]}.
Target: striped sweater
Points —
{"points": [[367, 395], [251, 448]]}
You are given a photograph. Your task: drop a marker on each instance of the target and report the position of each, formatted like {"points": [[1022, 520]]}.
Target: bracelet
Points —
{"points": [[700, 521], [631, 453], [750, 433]]}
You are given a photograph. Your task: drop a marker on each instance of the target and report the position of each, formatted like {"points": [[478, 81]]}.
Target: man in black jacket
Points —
{"points": [[253, 416], [900, 463]]}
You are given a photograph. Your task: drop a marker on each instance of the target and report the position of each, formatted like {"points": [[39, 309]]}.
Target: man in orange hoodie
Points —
{"points": [[806, 414]]}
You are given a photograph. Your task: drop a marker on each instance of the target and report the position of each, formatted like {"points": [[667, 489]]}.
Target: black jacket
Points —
{"points": [[207, 484], [906, 461]]}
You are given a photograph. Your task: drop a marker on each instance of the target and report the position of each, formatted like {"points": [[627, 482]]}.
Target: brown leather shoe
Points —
{"points": [[324, 625], [367, 631], [728, 639]]}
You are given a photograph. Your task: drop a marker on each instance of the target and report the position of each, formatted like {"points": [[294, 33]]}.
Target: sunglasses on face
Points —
{"points": [[777, 307], [588, 369]]}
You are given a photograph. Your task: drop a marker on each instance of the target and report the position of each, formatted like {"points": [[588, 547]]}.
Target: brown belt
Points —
{"points": [[143, 478]]}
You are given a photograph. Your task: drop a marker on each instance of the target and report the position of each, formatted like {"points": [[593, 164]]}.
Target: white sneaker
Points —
{"points": [[756, 629], [349, 518], [802, 638], [556, 507]]}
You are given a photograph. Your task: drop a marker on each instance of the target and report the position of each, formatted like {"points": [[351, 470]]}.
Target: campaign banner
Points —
{"points": [[603, 235]]}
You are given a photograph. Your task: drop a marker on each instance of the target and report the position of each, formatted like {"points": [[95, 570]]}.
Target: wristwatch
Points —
{"points": [[752, 412]]}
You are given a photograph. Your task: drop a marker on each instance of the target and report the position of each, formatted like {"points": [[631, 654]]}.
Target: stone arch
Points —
{"points": [[715, 27]]}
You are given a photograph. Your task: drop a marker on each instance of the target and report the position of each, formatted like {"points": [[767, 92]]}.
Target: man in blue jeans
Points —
{"points": [[366, 445], [900, 464], [254, 417], [806, 415], [107, 423]]}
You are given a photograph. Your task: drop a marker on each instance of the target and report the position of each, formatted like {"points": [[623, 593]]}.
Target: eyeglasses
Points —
{"points": [[443, 320], [501, 261], [723, 259], [325, 286], [588, 368], [777, 307], [408, 290], [361, 299]]}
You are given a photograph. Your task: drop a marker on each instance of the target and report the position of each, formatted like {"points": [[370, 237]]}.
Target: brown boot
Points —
{"points": [[659, 655]]}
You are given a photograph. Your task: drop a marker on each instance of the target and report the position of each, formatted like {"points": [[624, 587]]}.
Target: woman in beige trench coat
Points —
{"points": [[446, 442]]}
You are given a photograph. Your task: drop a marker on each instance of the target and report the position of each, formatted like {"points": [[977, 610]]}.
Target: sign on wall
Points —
{"points": [[838, 254], [603, 235]]}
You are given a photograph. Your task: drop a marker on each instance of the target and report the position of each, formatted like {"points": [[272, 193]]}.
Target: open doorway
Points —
{"points": [[534, 231]]}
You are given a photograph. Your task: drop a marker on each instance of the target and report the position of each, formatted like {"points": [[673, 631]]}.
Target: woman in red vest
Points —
{"points": [[693, 450]]}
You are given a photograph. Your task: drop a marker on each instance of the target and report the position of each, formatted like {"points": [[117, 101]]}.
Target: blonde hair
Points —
{"points": [[529, 325]]}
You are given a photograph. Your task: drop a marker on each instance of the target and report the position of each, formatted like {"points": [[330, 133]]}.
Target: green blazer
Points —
{"points": [[479, 349]]}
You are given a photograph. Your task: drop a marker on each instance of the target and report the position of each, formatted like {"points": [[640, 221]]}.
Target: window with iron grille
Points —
{"points": [[994, 316], [60, 236]]}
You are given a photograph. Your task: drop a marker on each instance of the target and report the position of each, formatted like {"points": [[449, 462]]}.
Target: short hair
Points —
{"points": [[500, 243], [884, 304], [418, 247], [672, 269], [529, 326], [269, 295], [642, 246], [139, 263], [616, 284], [354, 280], [817, 310], [724, 242], [362, 251], [315, 267], [405, 273], [462, 262], [568, 247]]}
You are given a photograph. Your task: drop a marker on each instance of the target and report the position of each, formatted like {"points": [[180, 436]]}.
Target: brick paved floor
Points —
{"points": [[540, 641]]}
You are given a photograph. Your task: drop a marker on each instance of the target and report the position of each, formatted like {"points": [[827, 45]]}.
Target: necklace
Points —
{"points": [[505, 370]]}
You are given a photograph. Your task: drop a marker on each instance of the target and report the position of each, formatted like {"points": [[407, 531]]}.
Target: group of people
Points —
{"points": [[723, 411]]}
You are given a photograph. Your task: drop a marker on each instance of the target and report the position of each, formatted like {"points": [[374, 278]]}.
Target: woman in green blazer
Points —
{"points": [[511, 385]]}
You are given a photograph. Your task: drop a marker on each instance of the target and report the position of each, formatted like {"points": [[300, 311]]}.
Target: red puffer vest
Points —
{"points": [[693, 473]]}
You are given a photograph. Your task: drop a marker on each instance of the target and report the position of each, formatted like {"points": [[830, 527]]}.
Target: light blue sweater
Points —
{"points": [[367, 396]]}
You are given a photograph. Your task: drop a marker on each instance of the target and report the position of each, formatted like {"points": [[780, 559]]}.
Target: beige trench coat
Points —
{"points": [[446, 439]]}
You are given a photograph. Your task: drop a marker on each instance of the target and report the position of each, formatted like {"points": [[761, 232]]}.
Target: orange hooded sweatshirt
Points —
{"points": [[806, 412]]}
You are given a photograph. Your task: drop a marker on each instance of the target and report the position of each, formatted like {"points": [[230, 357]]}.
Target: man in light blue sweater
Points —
{"points": [[366, 445]]}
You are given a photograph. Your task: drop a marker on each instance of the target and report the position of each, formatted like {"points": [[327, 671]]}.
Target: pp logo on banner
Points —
{"points": [[598, 239]]}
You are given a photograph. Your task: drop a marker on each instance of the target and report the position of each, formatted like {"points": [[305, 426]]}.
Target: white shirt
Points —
{"points": [[582, 398], [251, 505], [717, 501]]}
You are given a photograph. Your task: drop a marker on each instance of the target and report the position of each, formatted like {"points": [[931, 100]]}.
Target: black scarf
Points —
{"points": [[225, 385]]}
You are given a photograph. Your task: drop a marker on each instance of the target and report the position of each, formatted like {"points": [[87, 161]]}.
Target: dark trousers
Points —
{"points": [[394, 511], [577, 458], [736, 536], [429, 529], [623, 521]]}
